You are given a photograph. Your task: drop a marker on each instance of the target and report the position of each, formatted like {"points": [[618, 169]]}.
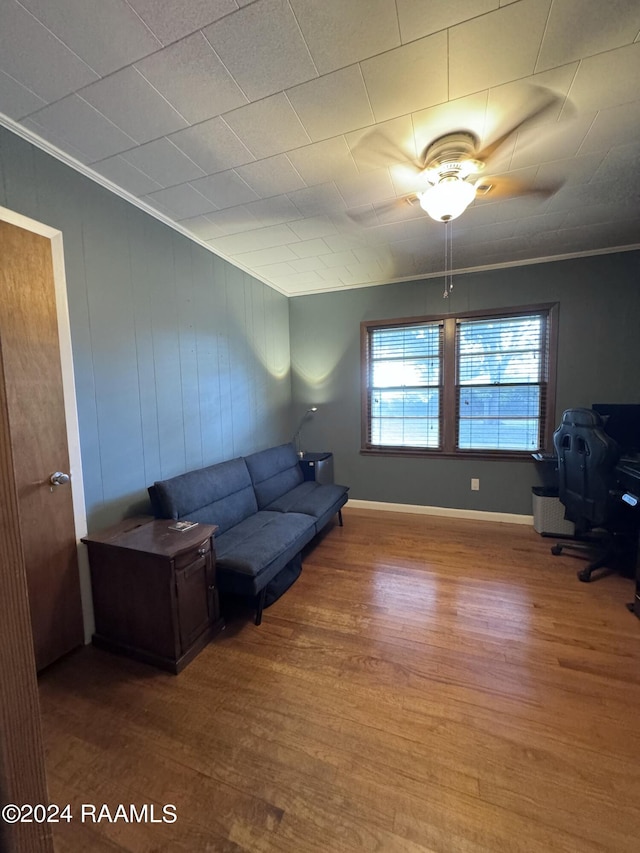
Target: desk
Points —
{"points": [[628, 475]]}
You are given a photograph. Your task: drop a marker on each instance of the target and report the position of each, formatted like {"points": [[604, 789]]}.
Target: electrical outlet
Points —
{"points": [[475, 484]]}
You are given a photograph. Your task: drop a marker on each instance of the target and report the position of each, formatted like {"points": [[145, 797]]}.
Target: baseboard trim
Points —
{"points": [[449, 512]]}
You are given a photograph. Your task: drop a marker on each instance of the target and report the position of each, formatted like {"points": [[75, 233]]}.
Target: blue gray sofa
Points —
{"points": [[265, 510]]}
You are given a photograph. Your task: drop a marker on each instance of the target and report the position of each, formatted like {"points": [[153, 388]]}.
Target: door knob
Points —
{"points": [[59, 478]]}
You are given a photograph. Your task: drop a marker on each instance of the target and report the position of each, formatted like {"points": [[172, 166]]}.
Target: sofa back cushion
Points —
{"points": [[274, 472], [221, 494]]}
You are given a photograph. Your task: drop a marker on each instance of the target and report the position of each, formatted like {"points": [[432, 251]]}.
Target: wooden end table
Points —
{"points": [[155, 596]]}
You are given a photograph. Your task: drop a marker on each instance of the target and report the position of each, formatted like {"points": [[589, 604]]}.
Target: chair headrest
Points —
{"points": [[581, 418]]}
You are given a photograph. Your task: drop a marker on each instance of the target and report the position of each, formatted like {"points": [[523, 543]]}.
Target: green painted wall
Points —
{"points": [[599, 361], [181, 360]]}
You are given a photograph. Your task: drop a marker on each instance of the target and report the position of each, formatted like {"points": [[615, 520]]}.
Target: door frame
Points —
{"points": [[70, 403]]}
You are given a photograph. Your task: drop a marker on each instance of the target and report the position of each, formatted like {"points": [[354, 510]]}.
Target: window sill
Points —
{"points": [[487, 455]]}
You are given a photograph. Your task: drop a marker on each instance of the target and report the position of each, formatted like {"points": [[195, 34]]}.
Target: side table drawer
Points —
{"points": [[182, 560]]}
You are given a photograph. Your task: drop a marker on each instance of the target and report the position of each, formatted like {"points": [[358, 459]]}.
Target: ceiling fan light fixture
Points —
{"points": [[447, 199]]}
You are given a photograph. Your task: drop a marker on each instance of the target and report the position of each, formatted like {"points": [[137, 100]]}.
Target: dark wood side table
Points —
{"points": [[154, 590]]}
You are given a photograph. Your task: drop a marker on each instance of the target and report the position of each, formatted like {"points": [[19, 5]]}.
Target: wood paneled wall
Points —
{"points": [[180, 359]]}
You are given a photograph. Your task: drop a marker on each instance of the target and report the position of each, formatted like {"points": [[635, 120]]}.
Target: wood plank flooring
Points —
{"points": [[428, 684]]}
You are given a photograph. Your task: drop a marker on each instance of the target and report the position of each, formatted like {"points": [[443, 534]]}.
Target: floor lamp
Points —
{"points": [[296, 436]]}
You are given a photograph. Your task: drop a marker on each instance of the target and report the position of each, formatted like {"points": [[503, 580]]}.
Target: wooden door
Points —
{"points": [[38, 436]]}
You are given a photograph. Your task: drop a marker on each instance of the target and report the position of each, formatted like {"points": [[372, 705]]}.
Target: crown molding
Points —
{"points": [[51, 149], [88, 172], [528, 262]]}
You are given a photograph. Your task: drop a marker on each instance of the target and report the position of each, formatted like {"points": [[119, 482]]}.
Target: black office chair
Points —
{"points": [[587, 459]]}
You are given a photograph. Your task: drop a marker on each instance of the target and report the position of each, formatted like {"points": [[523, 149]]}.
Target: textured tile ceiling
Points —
{"points": [[279, 133]]}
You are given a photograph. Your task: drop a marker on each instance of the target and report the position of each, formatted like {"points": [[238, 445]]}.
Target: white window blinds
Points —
{"points": [[501, 382], [404, 385]]}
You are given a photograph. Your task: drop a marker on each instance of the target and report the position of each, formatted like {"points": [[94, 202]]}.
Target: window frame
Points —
{"points": [[448, 416]]}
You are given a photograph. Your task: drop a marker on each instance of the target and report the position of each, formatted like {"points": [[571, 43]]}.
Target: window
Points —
{"points": [[405, 375], [475, 384]]}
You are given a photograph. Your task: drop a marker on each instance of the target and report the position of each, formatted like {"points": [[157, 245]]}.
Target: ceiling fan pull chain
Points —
{"points": [[446, 257], [448, 260], [450, 227]]}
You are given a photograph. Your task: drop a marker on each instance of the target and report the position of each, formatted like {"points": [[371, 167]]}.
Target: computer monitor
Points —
{"points": [[622, 423]]}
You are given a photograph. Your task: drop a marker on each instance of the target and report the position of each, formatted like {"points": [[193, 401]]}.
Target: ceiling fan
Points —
{"points": [[451, 168]]}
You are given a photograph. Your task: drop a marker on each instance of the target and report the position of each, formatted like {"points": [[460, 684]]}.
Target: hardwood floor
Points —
{"points": [[428, 684]]}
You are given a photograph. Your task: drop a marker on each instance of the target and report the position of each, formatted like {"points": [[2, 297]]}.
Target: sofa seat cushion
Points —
{"points": [[252, 552], [221, 494], [311, 498], [274, 472]]}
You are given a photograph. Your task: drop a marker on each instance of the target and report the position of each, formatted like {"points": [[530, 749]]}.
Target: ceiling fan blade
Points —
{"points": [[367, 218], [381, 212], [376, 150], [504, 187], [544, 102]]}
